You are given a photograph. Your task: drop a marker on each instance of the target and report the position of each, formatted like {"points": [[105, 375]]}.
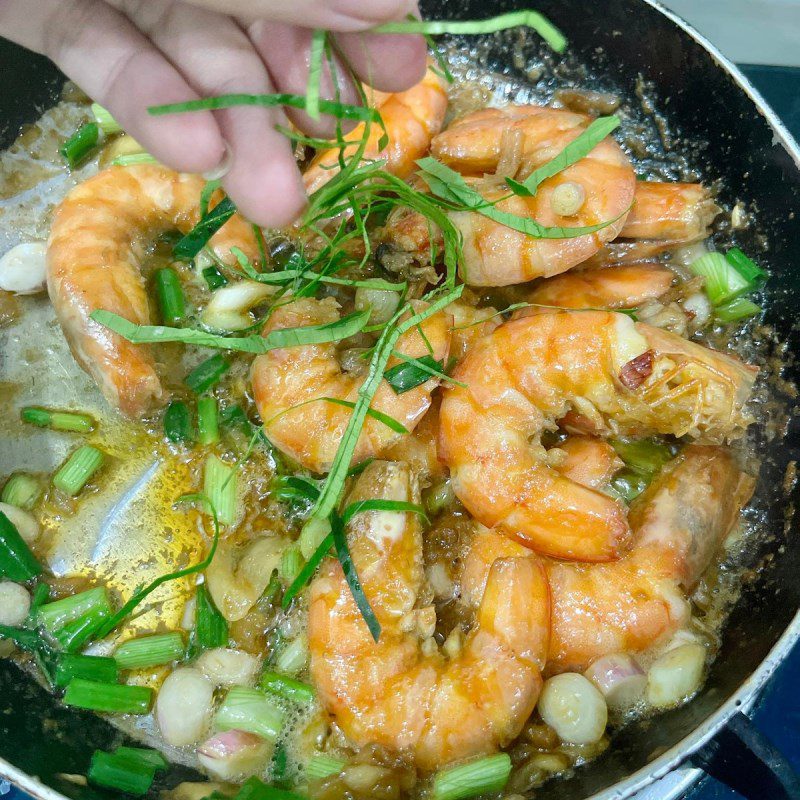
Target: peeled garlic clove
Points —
{"points": [[229, 307], [23, 269], [574, 708], [184, 706], [15, 603], [25, 523], [676, 676]]}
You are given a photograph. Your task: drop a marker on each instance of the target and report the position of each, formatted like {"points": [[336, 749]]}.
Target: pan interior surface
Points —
{"points": [[710, 127]]}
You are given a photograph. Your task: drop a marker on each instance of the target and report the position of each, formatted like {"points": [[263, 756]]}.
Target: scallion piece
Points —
{"points": [[178, 423], [250, 710], [255, 789], [17, 563], [291, 563], [57, 420], [107, 123], [322, 766], [80, 145], [143, 755], [722, 281], [121, 773], [220, 487], [150, 651], [484, 776], [75, 635], [745, 266], [21, 490], [170, 296], [75, 473], [642, 455], [628, 484], [132, 159], [197, 238], [207, 420], [737, 309], [288, 688], [59, 613], [210, 627], [214, 278], [111, 698], [207, 374], [293, 657], [410, 374], [92, 668]]}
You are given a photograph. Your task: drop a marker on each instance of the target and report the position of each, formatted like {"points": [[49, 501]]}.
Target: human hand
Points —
{"points": [[131, 54]]}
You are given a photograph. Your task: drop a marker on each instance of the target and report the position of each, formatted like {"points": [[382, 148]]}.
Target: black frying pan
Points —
{"points": [[704, 100]]}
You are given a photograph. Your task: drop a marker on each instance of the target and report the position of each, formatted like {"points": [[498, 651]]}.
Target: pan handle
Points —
{"points": [[741, 757]]}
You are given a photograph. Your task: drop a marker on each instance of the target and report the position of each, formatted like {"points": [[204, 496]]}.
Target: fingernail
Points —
{"points": [[376, 11], [221, 170]]}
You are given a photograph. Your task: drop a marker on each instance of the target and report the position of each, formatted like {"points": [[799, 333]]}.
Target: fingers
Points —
{"points": [[334, 15], [285, 51], [217, 57], [116, 65], [389, 62]]}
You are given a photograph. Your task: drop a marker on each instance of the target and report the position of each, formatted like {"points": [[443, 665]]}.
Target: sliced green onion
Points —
{"points": [[484, 776], [210, 627], [220, 487], [737, 309], [207, 374], [214, 278], [379, 504], [646, 456], [255, 789], [21, 490], [92, 668], [178, 423], [81, 144], [628, 484], [59, 613], [120, 773], [723, 282], [322, 766], [287, 688], [41, 594], [57, 420], [150, 651], [17, 562], [291, 563], [293, 658], [745, 266], [75, 473], [279, 338], [133, 159], [75, 635], [103, 118], [197, 238], [207, 420], [511, 19], [170, 296], [410, 374], [143, 755], [108, 697], [250, 710]]}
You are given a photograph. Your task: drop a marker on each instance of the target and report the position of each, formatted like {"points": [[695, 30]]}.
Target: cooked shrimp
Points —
{"points": [[99, 236], [640, 601], [588, 461], [469, 325], [622, 376], [411, 118], [600, 188], [290, 386], [402, 692], [625, 286], [670, 211]]}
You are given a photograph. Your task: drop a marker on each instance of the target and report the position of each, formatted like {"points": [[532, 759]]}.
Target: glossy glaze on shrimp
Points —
{"points": [[516, 140], [401, 691], [290, 386], [621, 376], [640, 601], [99, 236], [411, 119]]}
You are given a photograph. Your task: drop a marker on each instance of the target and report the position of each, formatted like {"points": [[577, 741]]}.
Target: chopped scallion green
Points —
{"points": [[107, 123], [178, 423], [17, 562], [81, 144], [288, 688], [220, 487], [628, 484], [484, 776], [214, 278], [108, 697], [125, 770], [210, 627], [197, 238], [59, 613], [76, 471], [737, 309], [723, 282], [143, 755], [150, 651], [250, 710], [322, 766], [291, 563], [293, 658], [170, 295], [207, 420], [646, 456], [207, 374], [57, 420], [255, 789], [745, 266], [92, 668], [21, 490], [132, 159]]}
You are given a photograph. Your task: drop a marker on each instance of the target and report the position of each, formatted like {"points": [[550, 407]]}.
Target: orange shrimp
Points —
{"points": [[411, 118], [401, 691], [98, 240], [638, 602], [624, 377]]}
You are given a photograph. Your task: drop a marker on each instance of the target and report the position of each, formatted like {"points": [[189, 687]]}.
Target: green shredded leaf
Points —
{"points": [[379, 504], [414, 372], [318, 38], [389, 422], [512, 19], [307, 572], [283, 337], [197, 238]]}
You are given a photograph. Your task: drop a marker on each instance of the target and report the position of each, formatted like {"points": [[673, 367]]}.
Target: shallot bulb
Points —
{"points": [[234, 755], [619, 678]]}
